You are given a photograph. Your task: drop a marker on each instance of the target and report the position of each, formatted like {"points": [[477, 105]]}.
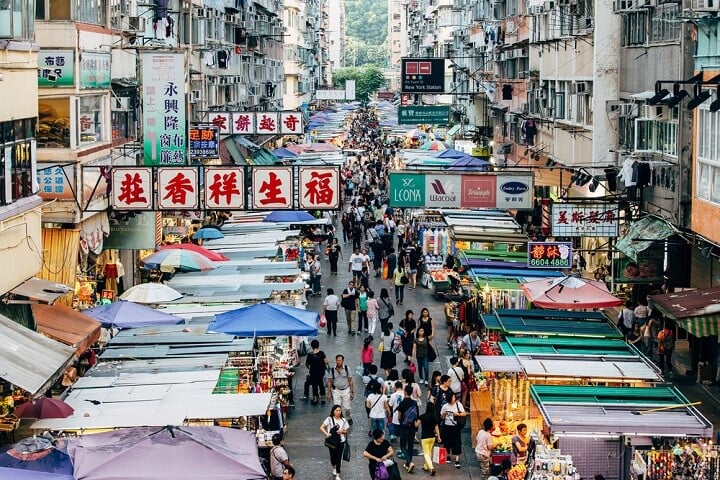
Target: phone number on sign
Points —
{"points": [[550, 263]]}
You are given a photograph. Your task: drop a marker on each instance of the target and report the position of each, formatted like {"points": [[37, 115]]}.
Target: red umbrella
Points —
{"points": [[571, 293], [209, 254], [44, 407]]}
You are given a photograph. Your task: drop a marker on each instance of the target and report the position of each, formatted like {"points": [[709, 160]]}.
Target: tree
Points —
{"points": [[368, 79], [366, 22]]}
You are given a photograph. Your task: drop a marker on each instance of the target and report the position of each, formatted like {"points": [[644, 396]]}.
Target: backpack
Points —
{"points": [[397, 344], [347, 372], [370, 385], [410, 416]]}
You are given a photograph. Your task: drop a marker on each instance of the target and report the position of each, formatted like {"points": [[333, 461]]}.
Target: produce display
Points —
{"points": [[517, 472]]}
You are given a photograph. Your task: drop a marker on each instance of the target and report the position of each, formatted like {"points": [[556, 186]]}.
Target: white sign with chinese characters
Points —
{"points": [[243, 122], [585, 219], [267, 123], [222, 120], [291, 123], [132, 188], [319, 188], [257, 123], [224, 188], [272, 188], [177, 188]]}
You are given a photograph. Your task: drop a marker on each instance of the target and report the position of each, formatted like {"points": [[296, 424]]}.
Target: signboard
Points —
{"points": [[177, 188], [417, 190], [95, 70], [585, 220], [203, 141], [221, 120], [257, 123], [319, 188], [132, 188], [422, 75], [553, 255], [163, 83], [54, 183], [131, 233], [56, 68], [417, 114], [291, 123], [330, 94], [225, 188], [649, 267], [272, 188], [349, 89], [267, 123]]}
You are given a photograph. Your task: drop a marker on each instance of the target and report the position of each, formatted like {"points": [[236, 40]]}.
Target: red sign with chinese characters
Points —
{"points": [[267, 123], [291, 123], [319, 188], [132, 188], [178, 188], [549, 254], [243, 123], [222, 120], [224, 188], [272, 188]]}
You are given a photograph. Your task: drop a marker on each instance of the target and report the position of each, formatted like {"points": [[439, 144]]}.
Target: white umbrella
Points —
{"points": [[150, 293]]}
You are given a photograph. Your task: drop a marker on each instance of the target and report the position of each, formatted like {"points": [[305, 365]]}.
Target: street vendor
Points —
{"points": [[520, 444]]}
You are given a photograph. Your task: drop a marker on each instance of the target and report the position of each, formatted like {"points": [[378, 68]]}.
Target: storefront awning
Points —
{"points": [[642, 234], [41, 290], [30, 360], [67, 326], [697, 311], [558, 323]]}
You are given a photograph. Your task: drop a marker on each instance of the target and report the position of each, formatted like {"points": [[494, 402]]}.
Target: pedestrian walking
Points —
{"points": [[395, 398], [377, 452], [334, 253], [349, 304], [367, 354], [626, 318], [408, 415], [429, 432], [316, 362], [426, 323], [372, 312], [666, 347], [419, 355], [388, 360], [457, 376], [331, 304], [484, 444], [340, 386], [408, 325], [451, 414], [355, 264], [362, 316], [377, 406], [315, 275], [279, 459], [400, 279], [346, 228], [335, 429], [288, 473], [385, 308]]}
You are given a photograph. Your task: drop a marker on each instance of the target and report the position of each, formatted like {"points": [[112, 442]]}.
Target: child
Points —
{"points": [[373, 307], [365, 278], [367, 354]]}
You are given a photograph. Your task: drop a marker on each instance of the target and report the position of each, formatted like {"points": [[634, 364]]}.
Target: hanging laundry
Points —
{"points": [[528, 130], [223, 57], [507, 91]]}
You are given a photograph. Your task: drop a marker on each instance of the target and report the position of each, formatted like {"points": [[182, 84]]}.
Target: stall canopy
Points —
{"points": [[124, 314], [551, 323], [601, 411], [42, 290], [66, 325], [642, 234], [607, 347], [169, 453], [569, 292], [17, 474], [266, 320], [30, 360], [697, 311]]}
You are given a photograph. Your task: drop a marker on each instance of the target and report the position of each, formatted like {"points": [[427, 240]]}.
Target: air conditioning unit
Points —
{"points": [[120, 104], [535, 9], [653, 112], [624, 5], [705, 5], [549, 5], [133, 24], [581, 88]]}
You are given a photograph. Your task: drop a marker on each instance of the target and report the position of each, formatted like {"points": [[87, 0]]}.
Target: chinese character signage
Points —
{"points": [[203, 141], [272, 188], [319, 188], [56, 68], [132, 188], [585, 220], [224, 188], [267, 123], [95, 70], [163, 84], [177, 188], [221, 120], [257, 123], [416, 114], [54, 182], [291, 123], [422, 75], [416, 190], [243, 122], [549, 255]]}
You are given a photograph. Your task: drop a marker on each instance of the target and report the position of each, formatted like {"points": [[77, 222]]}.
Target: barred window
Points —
{"points": [[665, 23], [634, 28]]}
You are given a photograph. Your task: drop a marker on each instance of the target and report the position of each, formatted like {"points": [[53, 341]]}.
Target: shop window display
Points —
{"points": [[54, 123], [90, 127]]}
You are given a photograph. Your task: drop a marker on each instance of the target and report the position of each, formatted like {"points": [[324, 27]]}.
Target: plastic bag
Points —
{"points": [[323, 321]]}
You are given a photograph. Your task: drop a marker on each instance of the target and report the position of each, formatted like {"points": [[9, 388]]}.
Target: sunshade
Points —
{"points": [[18, 474], [169, 260], [44, 407], [209, 254], [36, 454], [125, 314], [434, 146], [569, 292], [208, 233], [451, 153], [697, 311], [468, 163], [415, 133], [66, 325], [150, 293], [172, 453], [288, 216], [284, 153], [266, 320]]}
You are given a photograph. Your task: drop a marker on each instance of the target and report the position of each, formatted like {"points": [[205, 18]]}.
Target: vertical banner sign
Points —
{"points": [[319, 188], [177, 188], [272, 188], [224, 188], [163, 97]]}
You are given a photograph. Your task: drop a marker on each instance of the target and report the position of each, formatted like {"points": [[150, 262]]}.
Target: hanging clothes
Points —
{"points": [[528, 130]]}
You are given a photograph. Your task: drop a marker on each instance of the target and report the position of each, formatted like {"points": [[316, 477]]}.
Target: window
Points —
{"points": [[656, 136], [634, 25], [16, 19], [91, 11], [665, 23], [54, 123], [90, 117], [16, 165], [708, 171]]}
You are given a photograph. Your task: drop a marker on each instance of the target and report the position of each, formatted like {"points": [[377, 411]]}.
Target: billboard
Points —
{"points": [[422, 75]]}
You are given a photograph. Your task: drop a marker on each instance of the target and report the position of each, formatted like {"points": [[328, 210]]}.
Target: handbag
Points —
{"points": [[381, 347], [404, 279], [323, 321], [412, 368], [460, 420], [381, 472], [333, 441], [346, 451], [432, 354]]}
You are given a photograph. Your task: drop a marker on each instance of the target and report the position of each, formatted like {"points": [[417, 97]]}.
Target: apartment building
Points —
{"points": [[336, 34]]}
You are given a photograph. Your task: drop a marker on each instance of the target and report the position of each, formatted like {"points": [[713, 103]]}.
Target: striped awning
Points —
{"points": [[701, 326]]}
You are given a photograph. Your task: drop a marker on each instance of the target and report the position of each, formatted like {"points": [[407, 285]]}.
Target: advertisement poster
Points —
{"points": [[56, 68], [647, 269]]}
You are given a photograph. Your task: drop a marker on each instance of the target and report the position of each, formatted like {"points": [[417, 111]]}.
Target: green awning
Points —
{"points": [[702, 326], [697, 311], [642, 234], [558, 323], [569, 346], [264, 156]]}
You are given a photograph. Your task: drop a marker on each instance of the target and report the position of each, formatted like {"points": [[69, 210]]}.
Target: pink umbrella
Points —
{"points": [[570, 293], [44, 407], [209, 254]]}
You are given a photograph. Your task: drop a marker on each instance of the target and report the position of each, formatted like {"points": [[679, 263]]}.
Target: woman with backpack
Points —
{"points": [[387, 342], [385, 308], [666, 345], [452, 416]]}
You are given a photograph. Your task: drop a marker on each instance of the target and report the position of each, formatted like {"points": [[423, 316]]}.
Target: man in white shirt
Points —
{"points": [[356, 263], [395, 399], [331, 304], [456, 375], [483, 447], [471, 342]]}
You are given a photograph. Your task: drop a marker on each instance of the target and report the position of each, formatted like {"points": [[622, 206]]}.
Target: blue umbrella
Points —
{"points": [[288, 216], [284, 153], [19, 474], [468, 163], [208, 234], [451, 153], [38, 455], [266, 320], [124, 314]]}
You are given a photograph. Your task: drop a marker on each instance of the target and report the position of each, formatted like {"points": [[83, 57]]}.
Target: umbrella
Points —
{"points": [[468, 163], [451, 153], [124, 314], [18, 474], [288, 216], [209, 254], [36, 454], [266, 320], [569, 293], [208, 233], [168, 260], [284, 153], [45, 407], [150, 293], [172, 453], [434, 146]]}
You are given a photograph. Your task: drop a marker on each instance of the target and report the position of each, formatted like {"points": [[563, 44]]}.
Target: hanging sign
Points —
{"points": [[319, 188], [272, 188], [585, 220], [132, 188], [553, 255], [224, 188], [177, 188]]}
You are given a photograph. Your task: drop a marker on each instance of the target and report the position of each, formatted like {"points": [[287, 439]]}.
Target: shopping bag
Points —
{"points": [[394, 471], [432, 355], [385, 270], [439, 455], [323, 321], [346, 451], [412, 368], [381, 472]]}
